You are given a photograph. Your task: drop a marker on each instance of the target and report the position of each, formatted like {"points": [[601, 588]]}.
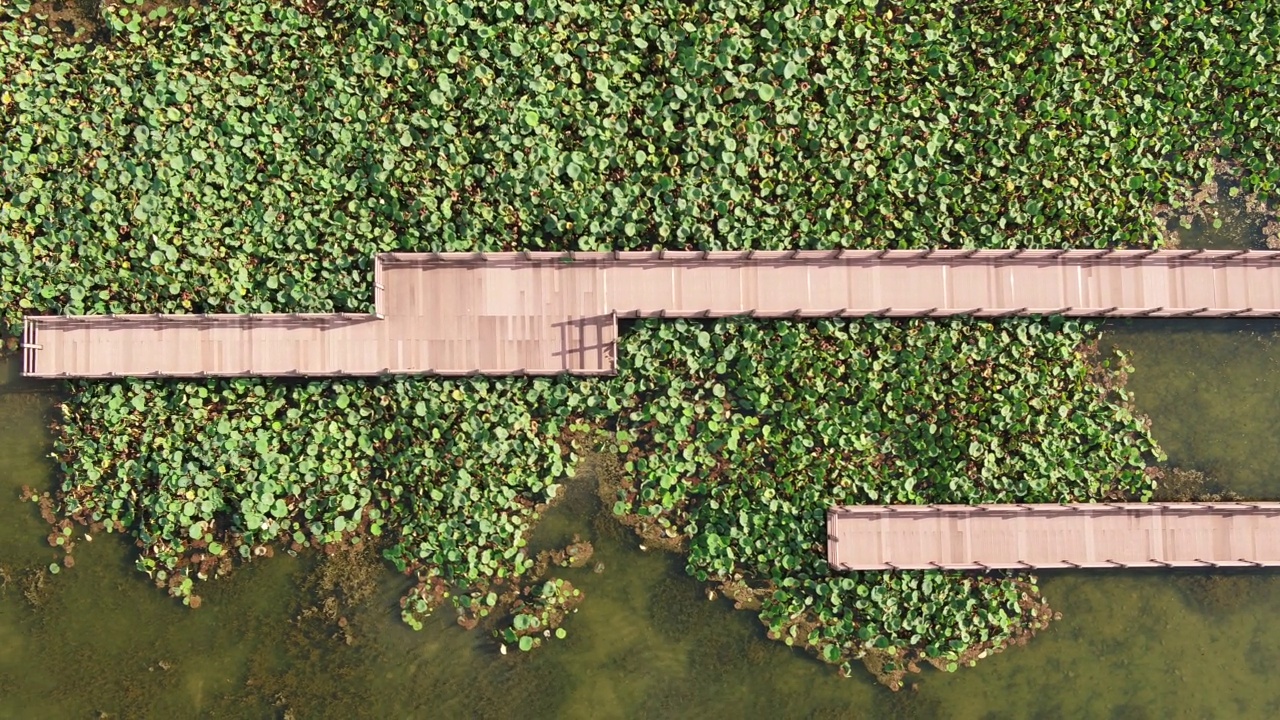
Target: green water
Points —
{"points": [[1211, 388], [1225, 223], [647, 643]]}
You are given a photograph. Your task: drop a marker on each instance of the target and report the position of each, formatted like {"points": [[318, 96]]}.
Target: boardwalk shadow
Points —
{"points": [[588, 343], [113, 323]]}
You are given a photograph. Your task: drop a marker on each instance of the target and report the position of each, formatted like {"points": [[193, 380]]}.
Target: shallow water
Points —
{"points": [[647, 643], [1223, 224], [1211, 389]]}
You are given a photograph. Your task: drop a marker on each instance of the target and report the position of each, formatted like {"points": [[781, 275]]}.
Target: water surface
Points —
{"points": [[647, 643]]}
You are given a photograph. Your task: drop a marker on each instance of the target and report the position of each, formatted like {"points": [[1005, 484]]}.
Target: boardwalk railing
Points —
{"points": [[1019, 254], [1045, 536], [506, 313], [379, 288], [30, 343]]}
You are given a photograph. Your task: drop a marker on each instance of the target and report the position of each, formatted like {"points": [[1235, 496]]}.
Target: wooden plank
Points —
{"points": [[1039, 536], [973, 284], [29, 347], [465, 312]]}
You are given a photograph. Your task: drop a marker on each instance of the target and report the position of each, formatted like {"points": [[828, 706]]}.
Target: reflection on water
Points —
{"points": [[647, 643]]}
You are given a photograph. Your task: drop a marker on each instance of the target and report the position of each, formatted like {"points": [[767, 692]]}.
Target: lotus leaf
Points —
{"points": [[200, 164]]}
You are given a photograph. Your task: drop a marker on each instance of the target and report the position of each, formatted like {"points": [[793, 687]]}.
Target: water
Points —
{"points": [[647, 643], [1222, 223], [105, 640], [1210, 387]]}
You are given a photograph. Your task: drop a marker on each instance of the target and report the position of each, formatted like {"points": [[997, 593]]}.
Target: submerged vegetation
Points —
{"points": [[1218, 211], [345, 578], [251, 157]]}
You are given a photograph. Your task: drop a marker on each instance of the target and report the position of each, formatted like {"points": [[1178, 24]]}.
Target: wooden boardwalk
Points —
{"points": [[1119, 535], [549, 313]]}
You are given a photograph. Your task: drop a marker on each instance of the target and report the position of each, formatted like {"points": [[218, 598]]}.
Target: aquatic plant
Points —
{"points": [[250, 156], [1184, 484], [736, 465], [741, 464], [539, 615], [450, 474], [344, 580]]}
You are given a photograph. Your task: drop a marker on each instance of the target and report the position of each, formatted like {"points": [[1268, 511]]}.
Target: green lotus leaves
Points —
{"points": [[208, 166], [859, 412], [934, 125], [850, 412], [302, 482]]}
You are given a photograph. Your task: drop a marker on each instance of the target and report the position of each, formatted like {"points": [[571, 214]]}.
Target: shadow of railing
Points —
{"points": [[790, 258], [179, 321], [573, 342]]}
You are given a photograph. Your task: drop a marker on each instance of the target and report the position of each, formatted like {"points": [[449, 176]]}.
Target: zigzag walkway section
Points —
{"points": [[1027, 537], [549, 313]]}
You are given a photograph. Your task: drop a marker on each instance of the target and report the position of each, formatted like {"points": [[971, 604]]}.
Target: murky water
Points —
{"points": [[1225, 223], [1212, 389], [647, 643]]}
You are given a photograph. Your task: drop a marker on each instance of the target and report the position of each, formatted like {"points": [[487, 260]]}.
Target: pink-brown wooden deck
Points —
{"points": [[1119, 535], [549, 313]]}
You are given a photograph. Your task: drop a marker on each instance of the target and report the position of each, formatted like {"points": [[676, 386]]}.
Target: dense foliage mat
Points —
{"points": [[742, 435], [251, 156], [451, 472], [738, 463]]}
